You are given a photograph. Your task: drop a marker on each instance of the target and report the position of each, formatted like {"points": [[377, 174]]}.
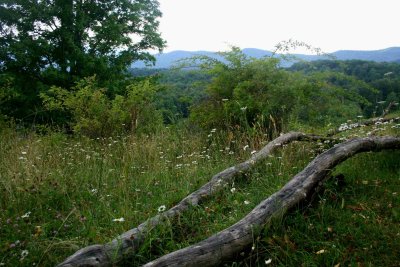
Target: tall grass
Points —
{"points": [[60, 193]]}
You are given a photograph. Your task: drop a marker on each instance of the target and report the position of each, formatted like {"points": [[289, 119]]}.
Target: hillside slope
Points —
{"points": [[392, 54]]}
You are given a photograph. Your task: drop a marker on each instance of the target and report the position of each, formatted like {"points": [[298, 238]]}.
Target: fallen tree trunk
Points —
{"points": [[130, 241], [231, 241]]}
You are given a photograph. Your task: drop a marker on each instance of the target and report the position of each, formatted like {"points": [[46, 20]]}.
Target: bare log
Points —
{"points": [[227, 243], [130, 241]]}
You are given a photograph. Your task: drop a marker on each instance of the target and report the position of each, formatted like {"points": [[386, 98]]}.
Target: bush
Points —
{"points": [[94, 114]]}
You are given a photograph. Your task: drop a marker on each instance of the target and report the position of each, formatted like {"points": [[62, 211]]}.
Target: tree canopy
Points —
{"points": [[76, 37], [58, 42]]}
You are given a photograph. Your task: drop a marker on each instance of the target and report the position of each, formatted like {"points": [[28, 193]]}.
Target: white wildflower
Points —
{"points": [[253, 152], [119, 219], [245, 147], [233, 190], [243, 108], [24, 253], [23, 153], [246, 202], [26, 215], [161, 208], [267, 262]]}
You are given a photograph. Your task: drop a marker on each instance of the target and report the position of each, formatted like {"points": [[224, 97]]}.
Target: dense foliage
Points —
{"points": [[384, 77], [94, 114], [46, 43], [248, 93], [182, 88]]}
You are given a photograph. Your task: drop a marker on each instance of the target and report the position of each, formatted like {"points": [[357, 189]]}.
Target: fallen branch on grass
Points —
{"points": [[130, 241], [231, 241]]}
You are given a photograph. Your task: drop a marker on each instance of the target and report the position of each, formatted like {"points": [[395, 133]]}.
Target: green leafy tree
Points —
{"points": [[245, 92], [58, 42], [248, 93]]}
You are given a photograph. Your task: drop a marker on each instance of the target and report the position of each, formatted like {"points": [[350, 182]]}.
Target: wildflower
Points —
{"points": [[213, 130], [245, 147], [94, 190], [119, 220], [233, 190], [320, 251], [26, 215], [246, 202], [253, 152], [268, 261], [23, 152], [161, 208], [243, 108], [24, 253]]}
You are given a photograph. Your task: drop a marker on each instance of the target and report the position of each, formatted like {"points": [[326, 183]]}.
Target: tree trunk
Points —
{"points": [[231, 241], [130, 241]]}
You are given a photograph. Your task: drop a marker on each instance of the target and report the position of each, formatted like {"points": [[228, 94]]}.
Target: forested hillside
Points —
{"points": [[168, 60]]}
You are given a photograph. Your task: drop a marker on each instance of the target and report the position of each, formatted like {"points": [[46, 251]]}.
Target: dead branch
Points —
{"points": [[227, 243], [130, 241]]}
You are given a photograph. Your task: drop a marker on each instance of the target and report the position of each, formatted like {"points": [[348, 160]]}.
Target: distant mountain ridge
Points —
{"points": [[391, 54]]}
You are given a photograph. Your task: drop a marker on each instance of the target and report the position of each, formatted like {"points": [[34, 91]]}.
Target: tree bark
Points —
{"points": [[227, 243], [130, 241]]}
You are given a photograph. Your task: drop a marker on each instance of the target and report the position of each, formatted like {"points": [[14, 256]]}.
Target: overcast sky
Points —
{"points": [[328, 24]]}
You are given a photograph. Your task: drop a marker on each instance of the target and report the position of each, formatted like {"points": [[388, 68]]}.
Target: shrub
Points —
{"points": [[94, 114]]}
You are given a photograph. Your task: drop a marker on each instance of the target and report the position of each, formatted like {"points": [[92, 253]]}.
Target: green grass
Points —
{"points": [[61, 193], [354, 225]]}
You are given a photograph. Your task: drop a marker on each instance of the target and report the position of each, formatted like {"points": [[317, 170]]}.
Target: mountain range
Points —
{"points": [[392, 54]]}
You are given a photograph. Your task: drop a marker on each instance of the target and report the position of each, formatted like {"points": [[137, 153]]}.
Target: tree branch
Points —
{"points": [[130, 241], [227, 243]]}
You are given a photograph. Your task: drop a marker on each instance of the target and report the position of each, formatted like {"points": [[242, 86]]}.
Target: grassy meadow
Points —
{"points": [[60, 193]]}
